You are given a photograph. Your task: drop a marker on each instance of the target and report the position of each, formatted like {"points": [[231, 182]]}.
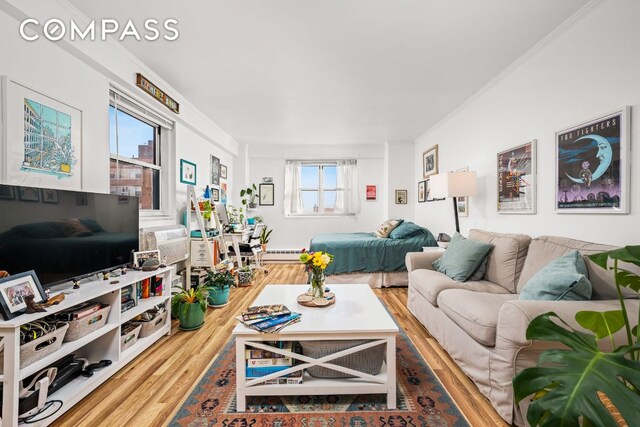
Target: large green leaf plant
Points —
{"points": [[586, 385]]}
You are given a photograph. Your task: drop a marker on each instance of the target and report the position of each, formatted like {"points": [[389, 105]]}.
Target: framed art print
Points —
{"points": [[266, 194], [223, 171], [187, 172], [463, 202], [14, 289], [371, 193], [592, 165], [215, 194], [49, 195], [215, 170], [422, 191], [28, 194], [430, 162], [401, 197], [223, 193], [6, 192], [140, 257], [517, 179]]}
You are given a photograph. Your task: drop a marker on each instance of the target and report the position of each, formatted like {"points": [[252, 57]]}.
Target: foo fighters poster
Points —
{"points": [[593, 165]]}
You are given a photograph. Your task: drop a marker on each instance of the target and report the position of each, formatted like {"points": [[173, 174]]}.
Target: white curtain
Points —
{"points": [[292, 193], [347, 201]]}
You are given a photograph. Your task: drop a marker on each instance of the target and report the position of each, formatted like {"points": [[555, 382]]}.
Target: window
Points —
{"points": [[321, 188], [134, 145]]}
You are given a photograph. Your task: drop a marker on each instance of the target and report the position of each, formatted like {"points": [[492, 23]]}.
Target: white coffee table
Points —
{"points": [[357, 315]]}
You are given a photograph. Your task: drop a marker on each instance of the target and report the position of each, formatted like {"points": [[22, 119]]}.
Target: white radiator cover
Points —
{"points": [[282, 255]]}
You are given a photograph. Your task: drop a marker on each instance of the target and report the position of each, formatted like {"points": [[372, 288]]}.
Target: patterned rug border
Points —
{"points": [[189, 399]]}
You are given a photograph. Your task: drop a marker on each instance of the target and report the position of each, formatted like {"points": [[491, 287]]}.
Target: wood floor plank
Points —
{"points": [[150, 390]]}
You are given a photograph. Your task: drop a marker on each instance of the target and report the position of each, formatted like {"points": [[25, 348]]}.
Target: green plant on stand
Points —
{"points": [[586, 385], [246, 275], [249, 196], [265, 237], [218, 285], [190, 306]]}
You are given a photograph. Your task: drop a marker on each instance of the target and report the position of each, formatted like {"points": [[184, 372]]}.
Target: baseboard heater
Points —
{"points": [[275, 255]]}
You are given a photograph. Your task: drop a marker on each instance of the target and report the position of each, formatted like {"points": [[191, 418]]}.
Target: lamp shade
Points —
{"points": [[453, 184]]}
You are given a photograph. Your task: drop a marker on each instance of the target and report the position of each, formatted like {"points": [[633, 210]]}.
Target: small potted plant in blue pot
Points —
{"points": [[218, 284]]}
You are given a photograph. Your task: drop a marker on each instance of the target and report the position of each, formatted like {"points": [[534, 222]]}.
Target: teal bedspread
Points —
{"points": [[366, 253]]}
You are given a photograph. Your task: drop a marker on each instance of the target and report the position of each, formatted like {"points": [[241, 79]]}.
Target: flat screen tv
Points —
{"points": [[64, 235]]}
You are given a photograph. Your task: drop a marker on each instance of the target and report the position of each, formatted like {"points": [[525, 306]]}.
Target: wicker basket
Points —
{"points": [[368, 361], [82, 327], [127, 340], [152, 326], [37, 349]]}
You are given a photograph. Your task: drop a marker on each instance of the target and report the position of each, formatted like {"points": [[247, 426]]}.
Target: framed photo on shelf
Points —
{"points": [[401, 197], [371, 193], [517, 179], [593, 165], [49, 195], [463, 202], [14, 289], [430, 162], [187, 172], [28, 194], [266, 194], [215, 170], [215, 194], [6, 192], [223, 171], [422, 191], [140, 257]]}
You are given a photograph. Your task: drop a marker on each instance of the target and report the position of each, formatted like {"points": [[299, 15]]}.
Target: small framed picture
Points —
{"points": [[266, 194], [215, 194], [28, 194], [401, 197], [49, 195], [422, 191], [223, 171], [430, 162], [14, 289], [215, 170], [140, 257], [187, 172], [463, 202], [6, 192], [372, 193]]}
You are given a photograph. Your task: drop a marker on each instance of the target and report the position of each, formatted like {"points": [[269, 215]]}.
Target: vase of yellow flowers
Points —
{"points": [[315, 264]]}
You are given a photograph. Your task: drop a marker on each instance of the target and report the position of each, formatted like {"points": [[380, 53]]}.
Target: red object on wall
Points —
{"points": [[371, 192]]}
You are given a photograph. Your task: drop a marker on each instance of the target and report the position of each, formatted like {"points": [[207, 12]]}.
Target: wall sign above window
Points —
{"points": [[158, 94]]}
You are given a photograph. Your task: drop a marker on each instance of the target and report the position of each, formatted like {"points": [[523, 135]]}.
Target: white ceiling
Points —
{"points": [[334, 71]]}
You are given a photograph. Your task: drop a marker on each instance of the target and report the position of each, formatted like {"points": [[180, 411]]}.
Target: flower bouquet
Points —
{"points": [[315, 264]]}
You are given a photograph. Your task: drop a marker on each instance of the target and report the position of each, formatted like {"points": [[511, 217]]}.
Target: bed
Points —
{"points": [[366, 258]]}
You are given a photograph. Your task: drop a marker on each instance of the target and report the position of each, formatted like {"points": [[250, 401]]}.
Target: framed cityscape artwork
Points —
{"points": [[592, 165], [517, 179], [430, 162]]}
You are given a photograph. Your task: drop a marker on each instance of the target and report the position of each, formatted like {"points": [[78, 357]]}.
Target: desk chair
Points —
{"points": [[252, 249]]}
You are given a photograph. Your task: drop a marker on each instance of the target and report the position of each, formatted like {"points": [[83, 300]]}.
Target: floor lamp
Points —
{"points": [[453, 184]]}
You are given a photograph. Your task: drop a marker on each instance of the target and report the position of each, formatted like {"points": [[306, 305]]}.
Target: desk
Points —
{"points": [[236, 238]]}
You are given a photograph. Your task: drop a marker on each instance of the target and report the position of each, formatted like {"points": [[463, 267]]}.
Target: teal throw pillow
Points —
{"points": [[564, 278], [462, 258], [405, 230]]}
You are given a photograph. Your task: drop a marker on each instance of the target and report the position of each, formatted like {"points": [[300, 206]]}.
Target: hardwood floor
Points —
{"points": [[149, 390]]}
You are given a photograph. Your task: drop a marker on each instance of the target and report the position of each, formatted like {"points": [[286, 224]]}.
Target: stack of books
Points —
{"points": [[263, 362], [268, 318]]}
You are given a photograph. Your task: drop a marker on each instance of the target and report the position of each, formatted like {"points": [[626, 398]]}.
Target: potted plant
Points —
{"points": [[599, 387], [249, 196], [218, 285], [246, 275], [189, 306], [265, 237]]}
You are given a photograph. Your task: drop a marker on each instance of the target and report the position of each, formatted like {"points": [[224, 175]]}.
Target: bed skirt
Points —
{"points": [[375, 280]]}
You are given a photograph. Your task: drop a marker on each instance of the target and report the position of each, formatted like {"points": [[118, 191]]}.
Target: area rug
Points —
{"points": [[421, 400]]}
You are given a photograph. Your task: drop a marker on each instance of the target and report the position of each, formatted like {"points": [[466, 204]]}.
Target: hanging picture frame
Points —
{"points": [[463, 202], [517, 181], [28, 194], [188, 172], [266, 197], [43, 138], [215, 194], [223, 171], [401, 197], [430, 162], [215, 170], [593, 165], [422, 191], [371, 193]]}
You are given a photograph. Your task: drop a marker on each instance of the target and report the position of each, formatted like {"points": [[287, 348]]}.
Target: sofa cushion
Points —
{"points": [[545, 249], [507, 258], [563, 279], [462, 258], [429, 284], [475, 312]]}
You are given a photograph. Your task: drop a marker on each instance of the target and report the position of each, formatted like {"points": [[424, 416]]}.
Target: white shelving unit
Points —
{"points": [[98, 345]]}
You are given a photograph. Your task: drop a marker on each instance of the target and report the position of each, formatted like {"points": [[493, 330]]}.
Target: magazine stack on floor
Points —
{"points": [[262, 362], [268, 319]]}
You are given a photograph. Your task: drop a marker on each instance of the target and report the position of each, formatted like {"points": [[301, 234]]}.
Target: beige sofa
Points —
{"points": [[482, 324]]}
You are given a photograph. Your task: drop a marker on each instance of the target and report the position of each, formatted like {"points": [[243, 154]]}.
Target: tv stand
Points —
{"points": [[103, 343]]}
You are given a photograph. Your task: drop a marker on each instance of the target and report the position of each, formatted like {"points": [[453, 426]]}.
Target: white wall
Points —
{"points": [[398, 161], [587, 70], [295, 233], [80, 72]]}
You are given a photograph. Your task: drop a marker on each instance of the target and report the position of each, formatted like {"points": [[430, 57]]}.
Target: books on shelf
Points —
{"points": [[293, 378], [260, 363]]}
